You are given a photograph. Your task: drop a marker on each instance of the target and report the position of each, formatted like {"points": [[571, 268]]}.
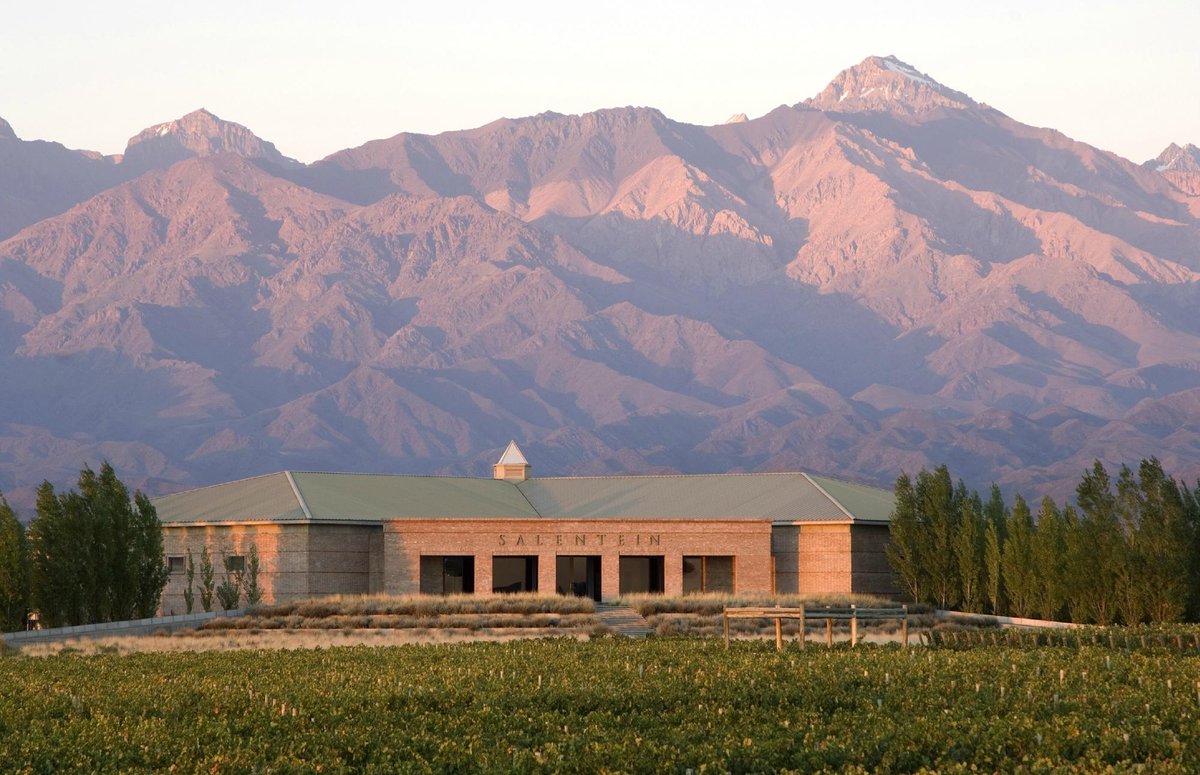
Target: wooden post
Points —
{"points": [[778, 633], [801, 627], [853, 625], [904, 627], [725, 617], [829, 633]]}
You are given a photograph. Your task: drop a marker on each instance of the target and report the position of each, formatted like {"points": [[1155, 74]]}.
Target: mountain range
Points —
{"points": [[886, 276]]}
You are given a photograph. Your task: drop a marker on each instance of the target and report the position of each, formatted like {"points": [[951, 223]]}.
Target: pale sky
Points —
{"points": [[316, 77]]}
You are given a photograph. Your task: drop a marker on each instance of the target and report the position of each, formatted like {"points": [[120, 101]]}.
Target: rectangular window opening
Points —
{"points": [[641, 574], [514, 574], [176, 564]]}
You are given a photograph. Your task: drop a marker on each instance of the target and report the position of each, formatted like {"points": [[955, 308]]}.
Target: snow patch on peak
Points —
{"points": [[896, 66], [737, 118]]}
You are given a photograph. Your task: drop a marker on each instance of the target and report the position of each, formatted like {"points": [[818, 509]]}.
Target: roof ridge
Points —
{"points": [[384, 473], [727, 474], [832, 499]]}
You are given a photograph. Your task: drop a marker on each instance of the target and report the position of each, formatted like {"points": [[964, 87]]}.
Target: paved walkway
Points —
{"points": [[623, 620], [107, 629]]}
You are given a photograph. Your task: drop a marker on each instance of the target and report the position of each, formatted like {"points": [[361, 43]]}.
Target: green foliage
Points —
{"points": [[97, 553], [250, 586], [206, 580], [1016, 562], [908, 541], [968, 553], [992, 565], [1131, 554], [189, 594], [14, 570], [1048, 548], [660, 705], [229, 592]]}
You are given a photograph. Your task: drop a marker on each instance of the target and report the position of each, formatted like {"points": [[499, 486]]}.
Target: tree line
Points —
{"points": [[91, 554], [1126, 551]]}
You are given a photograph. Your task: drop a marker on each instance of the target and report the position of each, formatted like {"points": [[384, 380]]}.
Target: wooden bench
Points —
{"points": [[829, 613]]}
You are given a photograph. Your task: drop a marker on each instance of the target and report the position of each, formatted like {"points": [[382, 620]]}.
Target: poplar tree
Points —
{"points": [[908, 543], [206, 580], [1017, 559], [936, 499], [968, 553], [14, 570], [1095, 555], [189, 594], [1049, 549], [991, 566], [97, 554], [1162, 541]]}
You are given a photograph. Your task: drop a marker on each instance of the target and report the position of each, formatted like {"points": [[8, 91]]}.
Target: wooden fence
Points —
{"points": [[830, 614]]}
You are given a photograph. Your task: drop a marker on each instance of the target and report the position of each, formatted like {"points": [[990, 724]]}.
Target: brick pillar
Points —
{"points": [[483, 574], [673, 573], [547, 573], [610, 576]]}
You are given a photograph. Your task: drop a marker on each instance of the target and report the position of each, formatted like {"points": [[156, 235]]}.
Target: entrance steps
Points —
{"points": [[623, 620]]}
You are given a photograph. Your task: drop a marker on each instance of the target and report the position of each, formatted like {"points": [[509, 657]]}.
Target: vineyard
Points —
{"points": [[665, 704]]}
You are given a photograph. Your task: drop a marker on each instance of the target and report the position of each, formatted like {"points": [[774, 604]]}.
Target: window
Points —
{"points": [[441, 575], [175, 564], [235, 563], [514, 574], [707, 574], [640, 574]]}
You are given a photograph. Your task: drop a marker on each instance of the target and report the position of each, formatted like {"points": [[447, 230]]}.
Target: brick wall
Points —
{"points": [[296, 561], [872, 573], [405, 541]]}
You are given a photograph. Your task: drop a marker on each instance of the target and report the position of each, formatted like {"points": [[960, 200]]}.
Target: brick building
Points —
{"points": [[602, 536]]}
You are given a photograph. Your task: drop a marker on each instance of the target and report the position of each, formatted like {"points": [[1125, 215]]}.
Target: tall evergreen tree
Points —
{"points": [[1097, 549], [908, 542], [14, 570], [58, 582], [992, 551], [1049, 550], [1017, 559], [937, 501], [968, 553], [97, 556], [146, 557], [1162, 542]]}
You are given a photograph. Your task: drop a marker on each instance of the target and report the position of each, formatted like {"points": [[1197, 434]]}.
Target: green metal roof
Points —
{"points": [[267, 497], [303, 496], [381, 496]]}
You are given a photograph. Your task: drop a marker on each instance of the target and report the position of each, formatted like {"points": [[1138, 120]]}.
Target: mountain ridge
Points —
{"points": [[850, 286]]}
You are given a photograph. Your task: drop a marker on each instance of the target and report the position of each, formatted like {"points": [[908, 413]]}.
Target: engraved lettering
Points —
{"points": [[539, 539], [639, 539], [620, 539], [580, 539], [600, 538], [558, 539], [520, 540], [502, 542], [656, 540]]}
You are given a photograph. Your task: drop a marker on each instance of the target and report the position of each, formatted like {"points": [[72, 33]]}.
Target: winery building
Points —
{"points": [[599, 536]]}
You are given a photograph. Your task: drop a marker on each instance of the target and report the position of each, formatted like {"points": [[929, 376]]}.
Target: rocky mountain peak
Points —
{"points": [[1175, 158], [6, 131], [886, 84], [199, 133]]}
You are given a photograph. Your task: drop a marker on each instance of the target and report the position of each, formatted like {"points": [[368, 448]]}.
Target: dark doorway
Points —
{"points": [[578, 575], [641, 574], [444, 575], [514, 574]]}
